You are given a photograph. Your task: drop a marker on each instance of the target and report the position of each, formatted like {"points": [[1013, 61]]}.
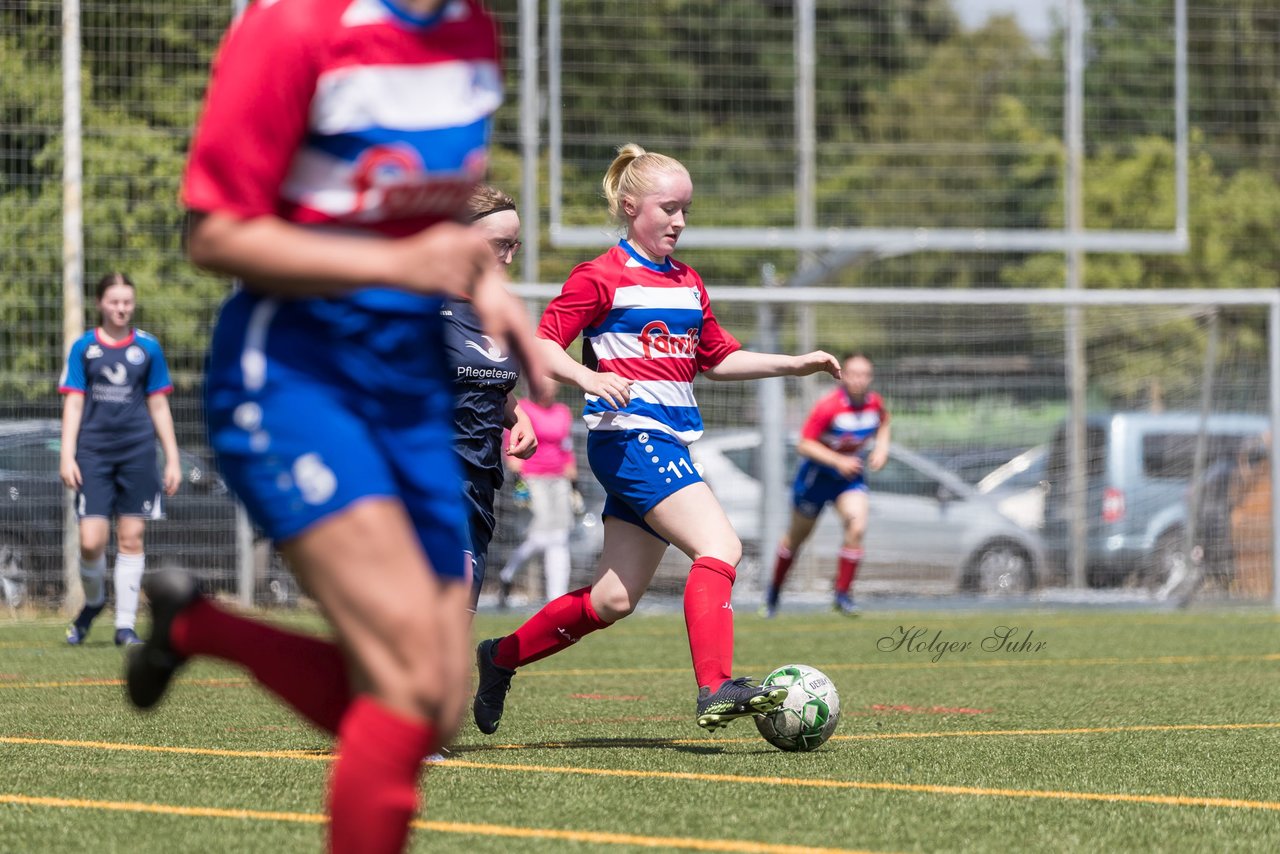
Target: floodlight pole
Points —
{"points": [[806, 168], [1077, 379], [771, 406], [246, 555], [72, 260], [529, 137]]}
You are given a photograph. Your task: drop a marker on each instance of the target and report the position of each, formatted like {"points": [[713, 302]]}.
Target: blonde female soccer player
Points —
{"points": [[650, 330]]}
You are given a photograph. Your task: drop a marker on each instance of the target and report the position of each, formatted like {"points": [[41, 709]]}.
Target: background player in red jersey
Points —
{"points": [[649, 331], [833, 447], [321, 176]]}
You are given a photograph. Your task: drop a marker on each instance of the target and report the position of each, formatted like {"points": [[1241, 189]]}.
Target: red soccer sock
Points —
{"points": [[373, 792], [561, 623], [782, 566], [308, 673], [847, 570], [708, 615]]}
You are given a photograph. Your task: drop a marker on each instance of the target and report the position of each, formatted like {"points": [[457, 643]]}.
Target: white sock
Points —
{"points": [[129, 570], [519, 558], [555, 563], [93, 578]]}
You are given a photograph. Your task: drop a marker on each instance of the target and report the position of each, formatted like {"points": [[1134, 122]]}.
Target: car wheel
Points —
{"points": [[1001, 569]]}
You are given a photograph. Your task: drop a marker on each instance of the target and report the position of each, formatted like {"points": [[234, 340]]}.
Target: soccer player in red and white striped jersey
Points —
{"points": [[649, 331], [847, 432]]}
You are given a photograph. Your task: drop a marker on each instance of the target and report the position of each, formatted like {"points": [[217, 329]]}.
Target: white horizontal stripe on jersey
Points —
{"points": [[449, 94], [640, 296], [630, 421], [618, 345], [665, 392]]}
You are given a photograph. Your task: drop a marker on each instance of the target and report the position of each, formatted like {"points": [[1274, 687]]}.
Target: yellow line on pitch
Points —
{"points": [[464, 828], [230, 682], [901, 665], [919, 788], [885, 736], [316, 756]]}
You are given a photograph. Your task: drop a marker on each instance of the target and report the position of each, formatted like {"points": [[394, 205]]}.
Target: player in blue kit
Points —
{"points": [[649, 331], [845, 435], [484, 378], [339, 143], [116, 384]]}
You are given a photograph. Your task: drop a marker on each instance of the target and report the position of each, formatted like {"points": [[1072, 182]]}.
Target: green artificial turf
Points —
{"points": [[599, 750]]}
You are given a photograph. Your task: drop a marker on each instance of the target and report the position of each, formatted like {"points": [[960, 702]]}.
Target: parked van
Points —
{"points": [[1139, 469]]}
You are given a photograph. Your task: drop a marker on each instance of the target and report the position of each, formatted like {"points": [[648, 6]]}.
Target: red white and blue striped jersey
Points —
{"points": [[650, 323], [347, 112], [844, 425]]}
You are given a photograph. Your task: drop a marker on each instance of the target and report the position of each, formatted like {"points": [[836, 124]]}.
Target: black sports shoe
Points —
{"points": [[79, 629], [735, 699], [491, 694], [149, 666]]}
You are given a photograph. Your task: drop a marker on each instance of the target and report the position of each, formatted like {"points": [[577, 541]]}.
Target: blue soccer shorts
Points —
{"points": [[119, 484], [817, 485], [638, 469], [298, 447]]}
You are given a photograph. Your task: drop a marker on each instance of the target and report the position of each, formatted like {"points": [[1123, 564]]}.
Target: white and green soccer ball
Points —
{"points": [[808, 716]]}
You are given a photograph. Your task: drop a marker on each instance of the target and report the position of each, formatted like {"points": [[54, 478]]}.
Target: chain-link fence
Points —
{"points": [[925, 114]]}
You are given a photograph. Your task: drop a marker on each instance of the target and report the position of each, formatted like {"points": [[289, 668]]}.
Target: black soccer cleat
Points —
{"points": [[150, 665], [79, 628], [491, 693], [736, 698]]}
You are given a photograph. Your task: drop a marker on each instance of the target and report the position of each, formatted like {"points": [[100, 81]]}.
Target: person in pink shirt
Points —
{"points": [[550, 474]]}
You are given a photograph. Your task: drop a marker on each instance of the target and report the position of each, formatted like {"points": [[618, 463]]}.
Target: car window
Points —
{"points": [[1095, 454], [1171, 456], [898, 478], [33, 456], [746, 459]]}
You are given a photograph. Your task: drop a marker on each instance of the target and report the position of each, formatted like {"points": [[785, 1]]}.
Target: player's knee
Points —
{"points": [[613, 605], [729, 551], [129, 543]]}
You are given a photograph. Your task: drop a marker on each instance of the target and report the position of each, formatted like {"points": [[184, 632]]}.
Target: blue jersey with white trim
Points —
{"points": [[116, 378]]}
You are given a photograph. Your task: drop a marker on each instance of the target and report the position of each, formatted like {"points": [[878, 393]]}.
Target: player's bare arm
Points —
{"points": [[848, 465], [72, 413], [880, 453], [562, 367], [749, 365], [162, 418], [283, 259], [522, 442]]}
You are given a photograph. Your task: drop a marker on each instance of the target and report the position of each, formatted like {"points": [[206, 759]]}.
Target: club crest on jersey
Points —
{"points": [[493, 353], [657, 340]]}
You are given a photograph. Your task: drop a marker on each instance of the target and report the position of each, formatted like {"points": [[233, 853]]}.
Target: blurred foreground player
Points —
{"points": [[321, 177]]}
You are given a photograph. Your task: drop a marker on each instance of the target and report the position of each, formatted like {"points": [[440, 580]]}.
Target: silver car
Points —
{"points": [[926, 527]]}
